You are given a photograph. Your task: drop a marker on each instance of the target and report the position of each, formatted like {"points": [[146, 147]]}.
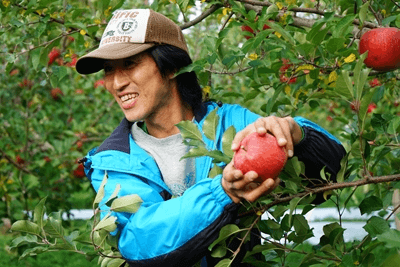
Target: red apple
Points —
{"points": [[53, 55], [56, 93], [20, 160], [261, 154], [98, 83], [246, 28], [79, 172], [374, 82], [382, 45], [371, 107]]}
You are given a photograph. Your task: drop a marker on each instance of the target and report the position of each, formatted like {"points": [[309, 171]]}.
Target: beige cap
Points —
{"points": [[130, 32]]}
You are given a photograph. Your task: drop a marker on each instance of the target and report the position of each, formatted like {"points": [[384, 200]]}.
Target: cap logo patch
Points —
{"points": [[127, 26]]}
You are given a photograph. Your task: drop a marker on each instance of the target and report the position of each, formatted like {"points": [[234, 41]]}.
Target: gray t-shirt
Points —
{"points": [[178, 174]]}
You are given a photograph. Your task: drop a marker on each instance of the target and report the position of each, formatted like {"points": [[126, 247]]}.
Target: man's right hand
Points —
{"points": [[241, 186]]}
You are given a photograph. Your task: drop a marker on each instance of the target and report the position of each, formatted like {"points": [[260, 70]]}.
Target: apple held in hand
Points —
{"points": [[383, 46], [261, 154]]}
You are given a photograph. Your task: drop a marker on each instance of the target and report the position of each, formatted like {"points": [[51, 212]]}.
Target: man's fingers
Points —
{"points": [[265, 187]]}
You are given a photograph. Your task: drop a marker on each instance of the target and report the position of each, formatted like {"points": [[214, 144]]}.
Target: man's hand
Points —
{"points": [[240, 186], [286, 131]]}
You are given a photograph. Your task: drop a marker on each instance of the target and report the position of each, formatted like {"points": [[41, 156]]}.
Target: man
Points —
{"points": [[183, 209]]}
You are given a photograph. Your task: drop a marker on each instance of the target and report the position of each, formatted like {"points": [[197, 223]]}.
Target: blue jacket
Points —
{"points": [[169, 231]]}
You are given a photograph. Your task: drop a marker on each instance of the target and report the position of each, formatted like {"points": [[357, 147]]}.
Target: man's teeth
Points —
{"points": [[129, 97]]}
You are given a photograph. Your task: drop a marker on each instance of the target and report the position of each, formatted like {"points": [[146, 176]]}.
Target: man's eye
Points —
{"points": [[129, 63], [108, 68]]}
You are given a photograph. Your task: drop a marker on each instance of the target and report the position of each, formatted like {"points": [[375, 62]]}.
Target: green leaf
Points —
{"points": [[344, 87], [215, 170], [218, 156], [365, 101], [189, 130], [83, 238], [116, 263], [391, 261], [39, 212], [210, 124], [363, 12], [376, 226], [224, 233], [370, 204], [300, 225], [35, 58], [342, 26], [23, 240], [360, 76], [33, 251], [100, 193], [219, 252], [53, 226], [391, 238], [224, 263], [286, 35], [394, 124], [194, 152], [114, 195], [26, 226], [108, 223], [130, 203], [227, 139]]}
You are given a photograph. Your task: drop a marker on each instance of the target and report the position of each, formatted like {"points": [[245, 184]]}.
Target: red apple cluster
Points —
{"points": [[282, 77]]}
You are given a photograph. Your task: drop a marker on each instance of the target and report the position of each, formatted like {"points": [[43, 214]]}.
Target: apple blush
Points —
{"points": [[262, 154]]}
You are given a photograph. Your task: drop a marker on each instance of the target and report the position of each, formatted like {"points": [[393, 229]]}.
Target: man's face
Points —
{"points": [[138, 86]]}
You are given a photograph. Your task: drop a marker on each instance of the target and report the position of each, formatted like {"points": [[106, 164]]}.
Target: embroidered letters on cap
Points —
{"points": [[126, 26]]}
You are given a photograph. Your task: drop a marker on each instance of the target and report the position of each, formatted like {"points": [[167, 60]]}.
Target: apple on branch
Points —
{"points": [[382, 45]]}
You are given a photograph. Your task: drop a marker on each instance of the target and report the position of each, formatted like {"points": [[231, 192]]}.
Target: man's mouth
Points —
{"points": [[126, 99]]}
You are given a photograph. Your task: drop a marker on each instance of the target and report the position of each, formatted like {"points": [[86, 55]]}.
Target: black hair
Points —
{"points": [[170, 59]]}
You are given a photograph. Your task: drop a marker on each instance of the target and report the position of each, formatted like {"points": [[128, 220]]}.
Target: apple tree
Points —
{"points": [[288, 57]]}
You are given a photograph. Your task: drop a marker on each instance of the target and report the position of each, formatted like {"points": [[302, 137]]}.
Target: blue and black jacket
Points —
{"points": [[169, 231]]}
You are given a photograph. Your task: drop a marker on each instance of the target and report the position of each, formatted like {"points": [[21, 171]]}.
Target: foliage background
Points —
{"points": [[298, 67]]}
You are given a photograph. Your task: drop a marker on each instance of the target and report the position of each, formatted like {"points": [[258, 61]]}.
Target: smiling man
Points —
{"points": [[183, 209]]}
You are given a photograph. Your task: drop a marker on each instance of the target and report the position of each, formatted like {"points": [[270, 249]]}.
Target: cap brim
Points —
{"points": [[94, 61]]}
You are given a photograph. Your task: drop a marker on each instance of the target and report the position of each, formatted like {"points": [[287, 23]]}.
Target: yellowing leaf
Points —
{"points": [[279, 5], [278, 34], [226, 10], [287, 89], [6, 3], [350, 58], [290, 2], [97, 21], [332, 77], [253, 56], [207, 89], [305, 67]]}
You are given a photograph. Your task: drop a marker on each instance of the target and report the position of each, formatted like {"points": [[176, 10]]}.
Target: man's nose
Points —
{"points": [[121, 79]]}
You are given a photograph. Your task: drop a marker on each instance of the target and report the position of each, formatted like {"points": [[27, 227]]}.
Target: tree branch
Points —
{"points": [[202, 16], [367, 180]]}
